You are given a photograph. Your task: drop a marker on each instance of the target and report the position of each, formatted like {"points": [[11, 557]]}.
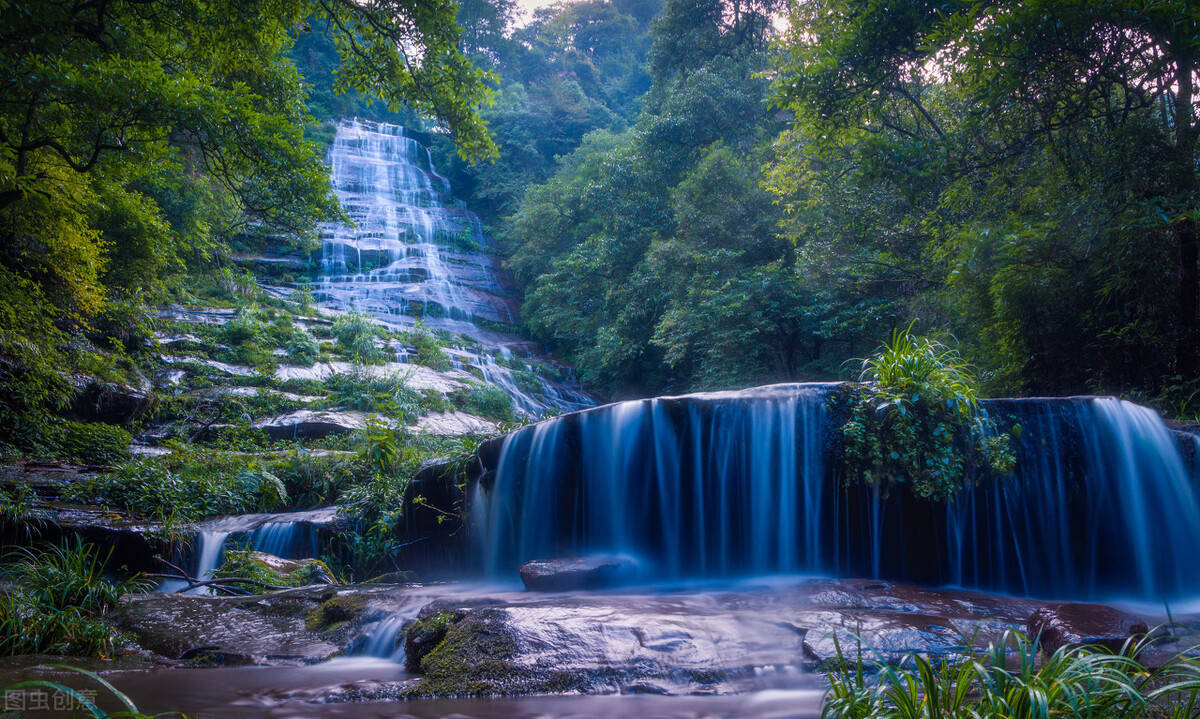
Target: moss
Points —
{"points": [[270, 570], [478, 657], [336, 611], [425, 635]]}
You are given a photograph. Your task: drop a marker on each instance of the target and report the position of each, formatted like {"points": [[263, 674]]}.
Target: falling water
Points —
{"points": [[292, 535], [1101, 504], [415, 252]]}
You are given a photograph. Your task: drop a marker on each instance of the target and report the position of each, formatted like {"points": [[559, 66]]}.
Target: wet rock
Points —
{"points": [[109, 402], [277, 571], [454, 423], [251, 630], [336, 610], [426, 633], [1070, 624], [592, 572], [312, 424]]}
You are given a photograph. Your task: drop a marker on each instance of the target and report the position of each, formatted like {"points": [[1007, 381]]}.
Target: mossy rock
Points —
{"points": [[271, 571], [336, 612], [479, 656], [425, 634]]}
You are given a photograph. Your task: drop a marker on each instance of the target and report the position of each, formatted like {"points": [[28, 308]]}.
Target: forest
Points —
{"points": [[815, 344], [688, 196]]}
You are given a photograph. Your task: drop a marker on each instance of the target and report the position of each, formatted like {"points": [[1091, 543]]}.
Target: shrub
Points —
{"points": [[302, 347], [311, 479], [357, 336], [484, 400], [188, 484], [91, 442], [55, 438], [918, 422]]}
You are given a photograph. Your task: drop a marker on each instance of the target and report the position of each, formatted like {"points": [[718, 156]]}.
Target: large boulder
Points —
{"points": [[566, 574], [231, 630], [109, 402], [1075, 625]]}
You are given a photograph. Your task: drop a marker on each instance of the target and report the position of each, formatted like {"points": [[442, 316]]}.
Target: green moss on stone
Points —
{"points": [[336, 611]]}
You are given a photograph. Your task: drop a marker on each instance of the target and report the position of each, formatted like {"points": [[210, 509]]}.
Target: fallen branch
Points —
{"points": [[218, 583]]}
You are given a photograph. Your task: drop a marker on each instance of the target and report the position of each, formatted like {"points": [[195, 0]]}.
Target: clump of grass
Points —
{"points": [[485, 401], [1012, 680], [361, 389], [56, 599], [357, 336]]}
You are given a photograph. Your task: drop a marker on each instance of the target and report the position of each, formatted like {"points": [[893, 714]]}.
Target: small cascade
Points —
{"points": [[291, 535], [1104, 501], [384, 639]]}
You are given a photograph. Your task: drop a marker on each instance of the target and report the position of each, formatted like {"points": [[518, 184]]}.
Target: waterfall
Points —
{"points": [[415, 252], [291, 535], [1102, 502]]}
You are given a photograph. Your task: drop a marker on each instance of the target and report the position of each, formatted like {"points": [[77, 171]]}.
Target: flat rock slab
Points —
{"points": [[452, 424], [313, 424], [229, 630], [694, 639]]}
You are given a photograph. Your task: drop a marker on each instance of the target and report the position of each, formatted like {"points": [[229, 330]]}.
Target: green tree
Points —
{"points": [[1021, 78]]}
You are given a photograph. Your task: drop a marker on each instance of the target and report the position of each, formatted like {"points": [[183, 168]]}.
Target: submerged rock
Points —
{"points": [[1073, 625], [566, 574]]}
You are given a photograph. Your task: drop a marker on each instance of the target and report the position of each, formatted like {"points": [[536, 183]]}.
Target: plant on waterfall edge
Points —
{"points": [[55, 598], [1012, 680], [917, 421]]}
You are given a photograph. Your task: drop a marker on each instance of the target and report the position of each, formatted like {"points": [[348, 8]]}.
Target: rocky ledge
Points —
{"points": [[459, 640]]}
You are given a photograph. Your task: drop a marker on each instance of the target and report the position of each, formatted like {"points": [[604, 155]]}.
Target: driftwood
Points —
{"points": [[220, 584]]}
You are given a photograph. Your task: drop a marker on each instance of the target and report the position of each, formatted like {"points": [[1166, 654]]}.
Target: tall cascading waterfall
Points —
{"points": [[1101, 503], [415, 252]]}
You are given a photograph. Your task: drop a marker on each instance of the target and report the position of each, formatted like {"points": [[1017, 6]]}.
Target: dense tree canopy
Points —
{"points": [[1035, 164]]}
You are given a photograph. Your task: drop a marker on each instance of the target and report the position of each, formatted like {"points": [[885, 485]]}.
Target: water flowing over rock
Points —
{"points": [[416, 253], [1101, 503]]}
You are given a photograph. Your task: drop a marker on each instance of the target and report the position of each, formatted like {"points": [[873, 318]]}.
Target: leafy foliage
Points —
{"points": [[918, 422], [58, 595], [1012, 681]]}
